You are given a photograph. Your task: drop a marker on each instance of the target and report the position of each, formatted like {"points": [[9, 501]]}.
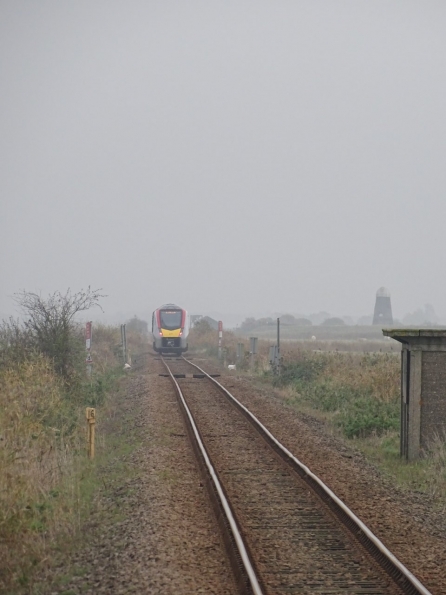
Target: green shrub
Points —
{"points": [[366, 416], [95, 392], [304, 370], [360, 392], [327, 396]]}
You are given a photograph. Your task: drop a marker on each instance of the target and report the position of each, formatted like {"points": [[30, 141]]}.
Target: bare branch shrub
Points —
{"points": [[51, 326], [16, 344]]}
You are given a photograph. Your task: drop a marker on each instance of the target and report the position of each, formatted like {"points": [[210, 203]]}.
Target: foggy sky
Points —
{"points": [[232, 156]]}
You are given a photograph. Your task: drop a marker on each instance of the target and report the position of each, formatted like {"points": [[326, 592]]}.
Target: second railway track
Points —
{"points": [[296, 540]]}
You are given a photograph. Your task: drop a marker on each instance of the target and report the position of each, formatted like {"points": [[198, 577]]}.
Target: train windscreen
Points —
{"points": [[171, 319]]}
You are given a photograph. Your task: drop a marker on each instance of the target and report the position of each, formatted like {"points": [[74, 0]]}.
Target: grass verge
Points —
{"points": [[48, 486], [105, 485], [357, 395]]}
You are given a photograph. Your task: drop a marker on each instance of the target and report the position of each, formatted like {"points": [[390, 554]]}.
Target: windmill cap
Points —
{"points": [[383, 292]]}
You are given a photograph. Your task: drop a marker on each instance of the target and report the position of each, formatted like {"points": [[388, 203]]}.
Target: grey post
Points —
{"points": [[124, 343], [253, 349]]}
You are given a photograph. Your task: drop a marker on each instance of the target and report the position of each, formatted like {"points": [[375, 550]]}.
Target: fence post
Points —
{"points": [[220, 337], [124, 343], [252, 349]]}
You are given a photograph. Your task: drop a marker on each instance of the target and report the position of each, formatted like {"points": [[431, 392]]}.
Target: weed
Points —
{"points": [[303, 369], [366, 416]]}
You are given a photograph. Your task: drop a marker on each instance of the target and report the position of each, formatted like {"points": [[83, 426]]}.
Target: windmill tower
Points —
{"points": [[383, 308]]}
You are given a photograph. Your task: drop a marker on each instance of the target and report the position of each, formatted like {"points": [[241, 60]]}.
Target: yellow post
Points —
{"points": [[91, 420]]}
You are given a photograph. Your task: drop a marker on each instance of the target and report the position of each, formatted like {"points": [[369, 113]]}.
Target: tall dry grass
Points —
{"points": [[375, 374], [44, 469], [39, 442]]}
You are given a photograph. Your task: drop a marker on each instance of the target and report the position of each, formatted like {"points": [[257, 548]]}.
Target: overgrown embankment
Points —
{"points": [[355, 393], [360, 393], [46, 486], [359, 396]]}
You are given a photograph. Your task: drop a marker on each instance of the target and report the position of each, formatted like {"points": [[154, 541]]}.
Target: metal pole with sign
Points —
{"points": [[220, 337], [88, 337]]}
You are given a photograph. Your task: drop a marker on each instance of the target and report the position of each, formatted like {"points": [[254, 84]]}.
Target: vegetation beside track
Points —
{"points": [[356, 394], [47, 483]]}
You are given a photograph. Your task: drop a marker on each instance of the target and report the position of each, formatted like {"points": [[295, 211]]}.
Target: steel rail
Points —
{"points": [[241, 547], [417, 587]]}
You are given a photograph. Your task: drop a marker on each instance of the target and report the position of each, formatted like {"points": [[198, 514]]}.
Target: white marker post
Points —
{"points": [[220, 337], [88, 336]]}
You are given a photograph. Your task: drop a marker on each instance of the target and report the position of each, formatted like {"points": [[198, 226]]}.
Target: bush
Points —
{"points": [[327, 396], [43, 393], [304, 370], [50, 326], [16, 343], [366, 416], [360, 392]]}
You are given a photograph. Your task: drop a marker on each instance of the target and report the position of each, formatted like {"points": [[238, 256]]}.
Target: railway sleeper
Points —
{"points": [[189, 375]]}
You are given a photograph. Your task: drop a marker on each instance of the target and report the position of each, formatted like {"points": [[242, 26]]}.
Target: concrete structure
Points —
{"points": [[211, 322], [382, 315], [198, 317], [423, 388]]}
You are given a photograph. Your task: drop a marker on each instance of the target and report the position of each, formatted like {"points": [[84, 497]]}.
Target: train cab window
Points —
{"points": [[171, 319]]}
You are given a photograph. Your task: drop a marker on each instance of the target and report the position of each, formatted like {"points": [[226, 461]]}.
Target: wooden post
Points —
{"points": [[91, 421]]}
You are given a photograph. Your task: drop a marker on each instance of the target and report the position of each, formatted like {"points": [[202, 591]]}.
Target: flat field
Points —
{"points": [[325, 338]]}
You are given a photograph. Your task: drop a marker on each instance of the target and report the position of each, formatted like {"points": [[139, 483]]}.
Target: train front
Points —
{"points": [[170, 329]]}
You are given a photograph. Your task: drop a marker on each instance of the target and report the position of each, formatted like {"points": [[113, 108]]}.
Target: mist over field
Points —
{"points": [[237, 158]]}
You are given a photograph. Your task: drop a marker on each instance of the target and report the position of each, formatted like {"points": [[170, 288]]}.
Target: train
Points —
{"points": [[170, 329]]}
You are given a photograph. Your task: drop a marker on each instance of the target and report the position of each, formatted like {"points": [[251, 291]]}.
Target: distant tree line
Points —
{"points": [[251, 323], [286, 319]]}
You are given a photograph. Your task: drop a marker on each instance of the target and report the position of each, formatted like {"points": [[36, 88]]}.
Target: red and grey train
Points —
{"points": [[170, 329]]}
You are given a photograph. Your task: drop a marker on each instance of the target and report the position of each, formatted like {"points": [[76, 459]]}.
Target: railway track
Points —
{"points": [[286, 532]]}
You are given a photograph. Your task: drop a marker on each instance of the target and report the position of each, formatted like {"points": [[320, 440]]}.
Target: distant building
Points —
{"points": [[194, 318], [211, 322], [383, 308]]}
